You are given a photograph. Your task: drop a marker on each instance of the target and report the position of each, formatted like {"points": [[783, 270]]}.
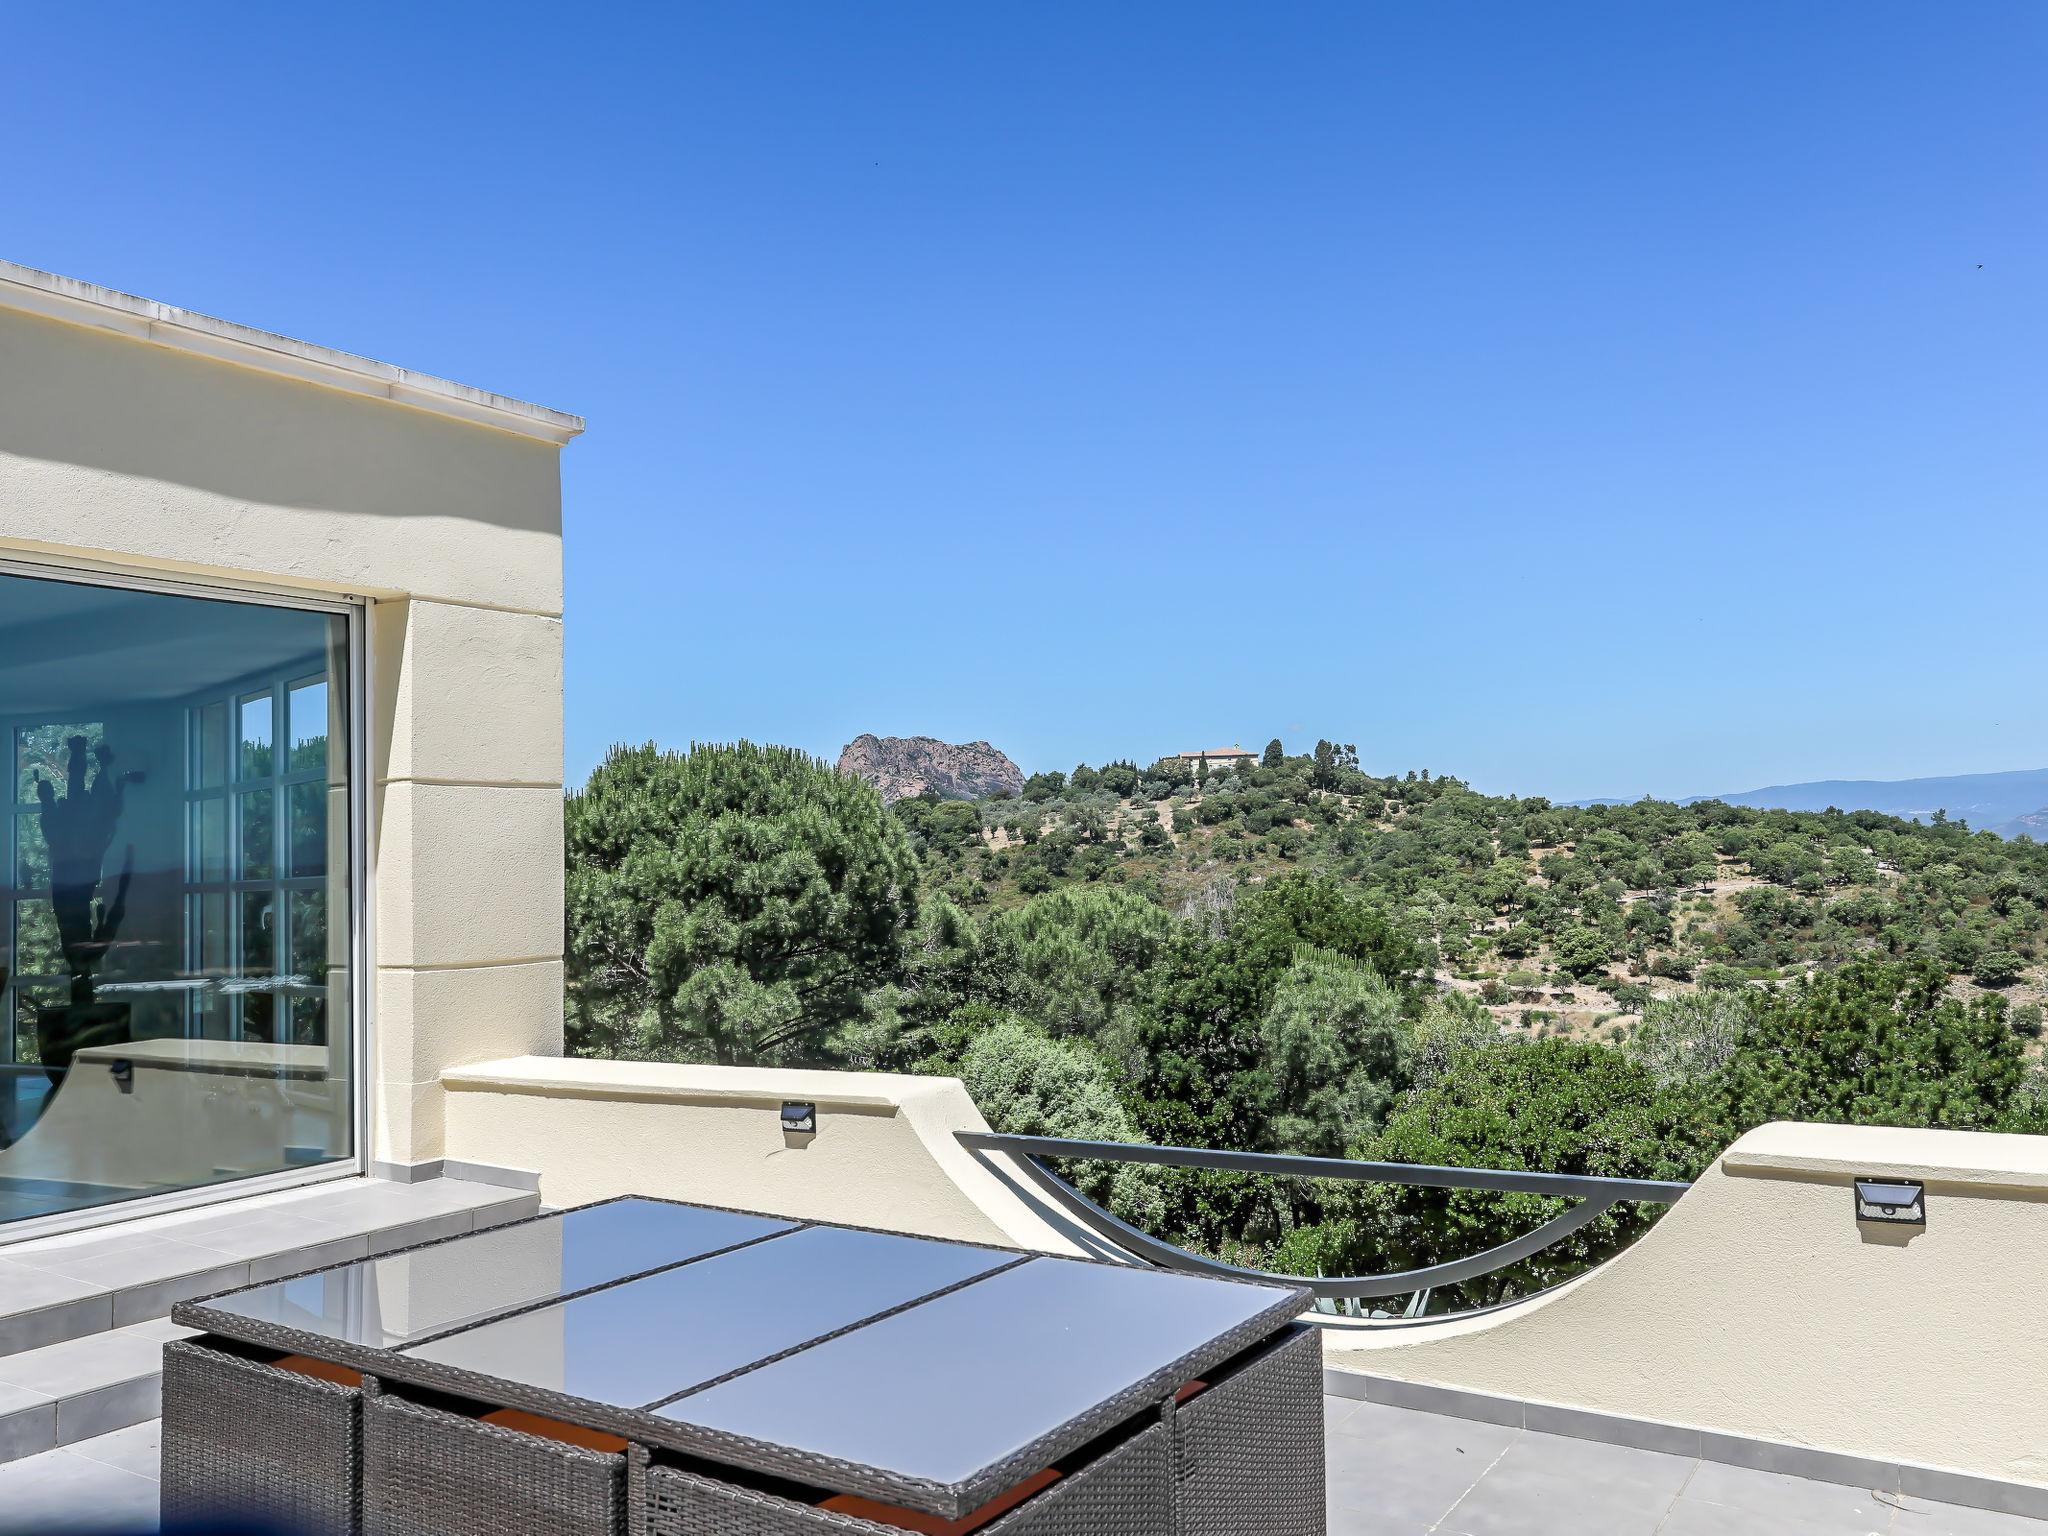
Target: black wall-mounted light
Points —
{"points": [[799, 1119], [1902, 1201]]}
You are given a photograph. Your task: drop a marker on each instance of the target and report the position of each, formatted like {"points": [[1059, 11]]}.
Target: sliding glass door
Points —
{"points": [[175, 857]]}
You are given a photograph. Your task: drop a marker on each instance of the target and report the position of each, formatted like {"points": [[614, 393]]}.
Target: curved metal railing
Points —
{"points": [[1595, 1196]]}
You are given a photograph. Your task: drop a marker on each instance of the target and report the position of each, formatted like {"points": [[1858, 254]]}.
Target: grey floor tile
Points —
{"points": [[1411, 1426], [84, 1415], [403, 1202], [1404, 1467], [60, 1492], [72, 1247], [427, 1229], [1697, 1517], [1828, 1507], [141, 1303], [142, 1264], [31, 1285], [1923, 1517], [28, 1423], [1447, 1401], [1357, 1522], [84, 1365], [1531, 1499], [137, 1449], [338, 1250], [38, 1307], [1596, 1461], [498, 1215], [253, 1234]]}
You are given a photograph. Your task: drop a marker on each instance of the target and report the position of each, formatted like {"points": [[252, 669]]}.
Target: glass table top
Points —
{"points": [[948, 1389], [649, 1339], [403, 1297]]}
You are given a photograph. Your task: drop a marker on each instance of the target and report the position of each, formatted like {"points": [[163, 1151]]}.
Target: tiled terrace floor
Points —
{"points": [[1396, 1472], [1393, 1472]]}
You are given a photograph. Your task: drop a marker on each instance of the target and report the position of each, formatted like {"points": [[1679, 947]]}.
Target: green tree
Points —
{"points": [[1274, 756], [730, 904], [1875, 1043], [1547, 1106], [1688, 1038], [1452, 1023], [1027, 1084], [1519, 942], [1200, 1077], [1120, 778], [1998, 968], [1044, 786], [1583, 949], [1076, 961], [1324, 772], [1338, 1051]]}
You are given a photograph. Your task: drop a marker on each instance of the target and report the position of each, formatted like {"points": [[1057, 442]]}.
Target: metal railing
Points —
{"points": [[1595, 1196]]}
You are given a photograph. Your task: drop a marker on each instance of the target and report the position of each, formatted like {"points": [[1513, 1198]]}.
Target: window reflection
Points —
{"points": [[175, 779]]}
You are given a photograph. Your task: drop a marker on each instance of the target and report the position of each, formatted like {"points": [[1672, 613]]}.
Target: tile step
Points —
{"points": [[84, 1289], [64, 1393]]}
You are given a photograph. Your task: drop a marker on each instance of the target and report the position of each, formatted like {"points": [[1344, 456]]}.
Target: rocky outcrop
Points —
{"points": [[902, 766]]}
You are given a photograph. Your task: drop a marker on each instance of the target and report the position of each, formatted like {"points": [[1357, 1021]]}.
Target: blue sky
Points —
{"points": [[1583, 399]]}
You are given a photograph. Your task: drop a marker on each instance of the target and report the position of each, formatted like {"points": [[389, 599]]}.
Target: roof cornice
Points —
{"points": [[183, 330]]}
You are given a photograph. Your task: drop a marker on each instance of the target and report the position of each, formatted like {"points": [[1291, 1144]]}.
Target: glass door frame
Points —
{"points": [[354, 611]]}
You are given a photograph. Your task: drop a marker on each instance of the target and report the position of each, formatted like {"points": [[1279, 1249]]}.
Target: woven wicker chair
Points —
{"points": [[247, 1444], [427, 1472], [1248, 1451]]}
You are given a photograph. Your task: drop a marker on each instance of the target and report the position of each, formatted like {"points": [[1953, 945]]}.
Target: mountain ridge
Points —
{"points": [[2010, 803]]}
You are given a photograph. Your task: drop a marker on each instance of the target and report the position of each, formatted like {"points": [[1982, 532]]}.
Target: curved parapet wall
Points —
{"points": [[1762, 1307], [883, 1153]]}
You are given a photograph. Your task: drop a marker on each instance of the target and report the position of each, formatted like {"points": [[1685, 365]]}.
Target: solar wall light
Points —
{"points": [[1901, 1201], [799, 1119]]}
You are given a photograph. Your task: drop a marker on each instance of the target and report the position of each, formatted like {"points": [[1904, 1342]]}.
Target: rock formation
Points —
{"points": [[902, 766]]}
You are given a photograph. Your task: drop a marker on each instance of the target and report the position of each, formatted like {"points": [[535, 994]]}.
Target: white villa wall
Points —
{"points": [[149, 441], [1760, 1307]]}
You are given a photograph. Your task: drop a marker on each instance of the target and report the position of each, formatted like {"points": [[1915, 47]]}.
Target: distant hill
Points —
{"points": [[2034, 824], [2005, 803], [903, 767]]}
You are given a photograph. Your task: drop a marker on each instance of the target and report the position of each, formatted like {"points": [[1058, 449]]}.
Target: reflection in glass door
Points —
{"points": [[175, 932], [259, 822]]}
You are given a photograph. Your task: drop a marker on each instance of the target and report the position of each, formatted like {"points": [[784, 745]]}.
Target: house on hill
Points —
{"points": [[1221, 757]]}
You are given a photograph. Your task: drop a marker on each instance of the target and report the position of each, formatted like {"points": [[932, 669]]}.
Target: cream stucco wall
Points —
{"points": [[123, 446], [1761, 1307], [883, 1155]]}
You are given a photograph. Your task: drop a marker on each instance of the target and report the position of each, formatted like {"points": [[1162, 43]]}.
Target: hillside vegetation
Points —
{"points": [[1305, 957], [1557, 919]]}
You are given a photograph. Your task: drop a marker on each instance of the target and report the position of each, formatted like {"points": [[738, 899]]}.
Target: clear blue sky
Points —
{"points": [[1586, 398]]}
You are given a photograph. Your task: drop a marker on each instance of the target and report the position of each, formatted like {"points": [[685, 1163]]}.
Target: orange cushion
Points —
{"points": [[326, 1370], [939, 1525], [554, 1429], [1192, 1389]]}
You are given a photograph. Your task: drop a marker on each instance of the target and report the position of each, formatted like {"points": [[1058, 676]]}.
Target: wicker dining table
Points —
{"points": [[644, 1367]]}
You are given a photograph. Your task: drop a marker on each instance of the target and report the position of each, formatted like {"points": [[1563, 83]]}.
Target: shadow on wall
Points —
{"points": [[71, 395]]}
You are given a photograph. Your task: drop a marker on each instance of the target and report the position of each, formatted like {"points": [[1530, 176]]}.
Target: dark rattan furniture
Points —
{"points": [[643, 1366]]}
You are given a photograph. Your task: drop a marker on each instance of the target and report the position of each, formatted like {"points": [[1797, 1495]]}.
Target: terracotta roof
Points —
{"points": [[1215, 752]]}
